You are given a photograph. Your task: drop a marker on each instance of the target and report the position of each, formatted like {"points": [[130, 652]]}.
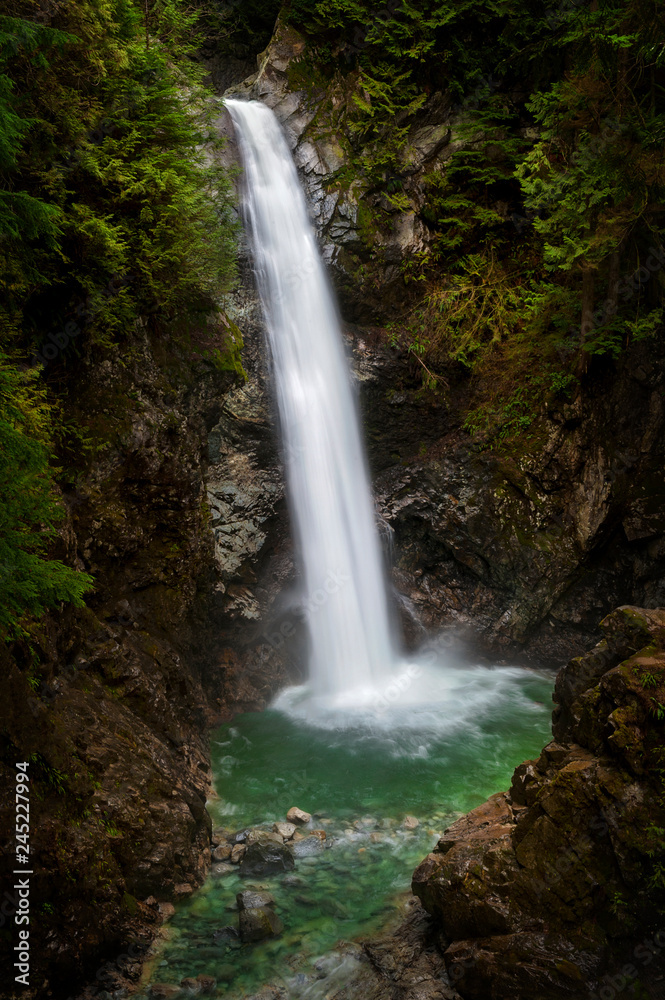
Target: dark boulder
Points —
{"points": [[258, 923], [266, 859]]}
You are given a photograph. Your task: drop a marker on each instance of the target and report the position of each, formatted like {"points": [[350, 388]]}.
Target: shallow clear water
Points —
{"points": [[426, 760]]}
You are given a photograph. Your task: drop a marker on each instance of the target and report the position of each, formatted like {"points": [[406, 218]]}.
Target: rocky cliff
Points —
{"points": [[555, 888], [522, 544], [110, 705], [176, 506]]}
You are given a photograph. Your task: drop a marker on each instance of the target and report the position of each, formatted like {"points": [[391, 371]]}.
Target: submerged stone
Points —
{"points": [[264, 837], [166, 911], [227, 933], [286, 830], [294, 881], [223, 869], [308, 847], [206, 983], [266, 859], [258, 923], [250, 899], [220, 834], [222, 852]]}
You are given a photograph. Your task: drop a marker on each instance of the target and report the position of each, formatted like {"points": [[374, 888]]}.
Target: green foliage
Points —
{"points": [[228, 358], [484, 303], [551, 199], [51, 776], [240, 29], [619, 905], [595, 180], [29, 506], [468, 201], [110, 827], [107, 147], [112, 208], [397, 56], [503, 418], [21, 212], [657, 710]]}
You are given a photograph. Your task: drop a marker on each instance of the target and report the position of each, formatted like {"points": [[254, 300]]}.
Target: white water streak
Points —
{"points": [[332, 509]]}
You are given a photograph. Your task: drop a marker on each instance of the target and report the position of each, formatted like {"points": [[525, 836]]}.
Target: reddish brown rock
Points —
{"points": [[541, 890]]}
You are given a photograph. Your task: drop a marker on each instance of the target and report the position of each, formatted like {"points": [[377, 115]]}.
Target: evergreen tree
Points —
{"points": [[29, 506], [112, 208], [596, 178]]}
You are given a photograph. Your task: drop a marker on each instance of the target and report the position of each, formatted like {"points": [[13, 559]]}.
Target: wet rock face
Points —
{"points": [[254, 641], [115, 719], [523, 552], [257, 918], [259, 923], [364, 256], [404, 962], [546, 889]]}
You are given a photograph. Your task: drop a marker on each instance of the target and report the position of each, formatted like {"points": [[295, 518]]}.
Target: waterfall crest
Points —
{"points": [[352, 653]]}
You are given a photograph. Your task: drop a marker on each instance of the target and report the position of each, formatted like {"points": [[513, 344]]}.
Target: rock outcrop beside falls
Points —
{"points": [[528, 549], [364, 240], [549, 889], [111, 704]]}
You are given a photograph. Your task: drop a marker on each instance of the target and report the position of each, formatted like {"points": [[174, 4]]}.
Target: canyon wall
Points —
{"points": [[554, 889], [178, 510]]}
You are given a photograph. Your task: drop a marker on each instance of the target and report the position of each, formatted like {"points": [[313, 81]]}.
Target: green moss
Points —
{"points": [[227, 357], [305, 74], [129, 903]]}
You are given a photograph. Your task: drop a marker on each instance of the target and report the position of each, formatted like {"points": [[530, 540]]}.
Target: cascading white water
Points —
{"points": [[352, 654]]}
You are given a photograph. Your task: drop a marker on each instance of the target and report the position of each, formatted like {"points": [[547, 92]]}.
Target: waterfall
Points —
{"points": [[352, 653]]}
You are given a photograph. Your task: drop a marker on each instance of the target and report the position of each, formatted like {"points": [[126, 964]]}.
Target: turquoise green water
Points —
{"points": [[432, 762]]}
